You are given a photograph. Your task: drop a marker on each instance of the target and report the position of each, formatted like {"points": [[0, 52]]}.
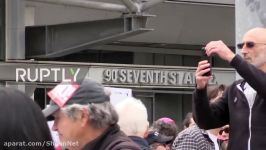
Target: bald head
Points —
{"points": [[256, 53], [256, 34]]}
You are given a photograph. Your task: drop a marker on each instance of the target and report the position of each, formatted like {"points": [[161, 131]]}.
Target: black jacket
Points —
{"points": [[247, 125], [141, 142], [112, 139]]}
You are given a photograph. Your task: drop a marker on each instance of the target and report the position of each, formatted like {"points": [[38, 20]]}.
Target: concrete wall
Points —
{"points": [[175, 23], [249, 14]]}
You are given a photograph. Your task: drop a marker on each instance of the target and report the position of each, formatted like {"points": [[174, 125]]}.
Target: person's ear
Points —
{"points": [[146, 133], [84, 117]]}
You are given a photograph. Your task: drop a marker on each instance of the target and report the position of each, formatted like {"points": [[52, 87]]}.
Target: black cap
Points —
{"points": [[88, 91], [156, 137]]}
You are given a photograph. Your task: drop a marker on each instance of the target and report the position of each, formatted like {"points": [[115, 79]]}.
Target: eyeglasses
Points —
{"points": [[226, 130], [248, 44]]}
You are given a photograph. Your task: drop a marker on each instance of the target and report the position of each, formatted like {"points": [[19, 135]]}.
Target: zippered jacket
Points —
{"points": [[247, 124]]}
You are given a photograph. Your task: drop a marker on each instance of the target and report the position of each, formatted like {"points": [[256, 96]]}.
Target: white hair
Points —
{"points": [[133, 117]]}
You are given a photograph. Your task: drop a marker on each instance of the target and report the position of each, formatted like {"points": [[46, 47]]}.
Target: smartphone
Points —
{"points": [[206, 57]]}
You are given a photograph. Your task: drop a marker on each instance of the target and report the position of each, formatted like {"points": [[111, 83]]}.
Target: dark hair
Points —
{"points": [[213, 91], [23, 126], [187, 119], [154, 146]]}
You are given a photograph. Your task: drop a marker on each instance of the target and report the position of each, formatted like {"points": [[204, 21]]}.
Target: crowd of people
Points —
{"points": [[85, 119], [195, 138]]}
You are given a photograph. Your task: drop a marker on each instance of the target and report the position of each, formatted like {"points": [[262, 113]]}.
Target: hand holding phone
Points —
{"points": [[208, 58]]}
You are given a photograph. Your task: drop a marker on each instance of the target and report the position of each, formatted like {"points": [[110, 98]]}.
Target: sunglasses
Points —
{"points": [[226, 130], [248, 44]]}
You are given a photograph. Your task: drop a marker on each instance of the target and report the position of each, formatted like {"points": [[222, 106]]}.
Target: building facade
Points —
{"points": [[154, 52]]}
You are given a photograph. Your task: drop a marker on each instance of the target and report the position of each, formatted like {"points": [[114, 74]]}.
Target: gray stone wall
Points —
{"points": [[249, 14]]}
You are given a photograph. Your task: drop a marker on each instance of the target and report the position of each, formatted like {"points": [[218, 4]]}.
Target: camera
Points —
{"points": [[204, 56]]}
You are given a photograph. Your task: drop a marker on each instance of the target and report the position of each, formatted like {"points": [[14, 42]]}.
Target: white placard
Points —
{"points": [[118, 94]]}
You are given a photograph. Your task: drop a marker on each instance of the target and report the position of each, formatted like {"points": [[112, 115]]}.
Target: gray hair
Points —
{"points": [[101, 115]]}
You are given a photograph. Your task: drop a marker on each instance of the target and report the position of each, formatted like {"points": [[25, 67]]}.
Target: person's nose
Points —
{"points": [[54, 127], [244, 50]]}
